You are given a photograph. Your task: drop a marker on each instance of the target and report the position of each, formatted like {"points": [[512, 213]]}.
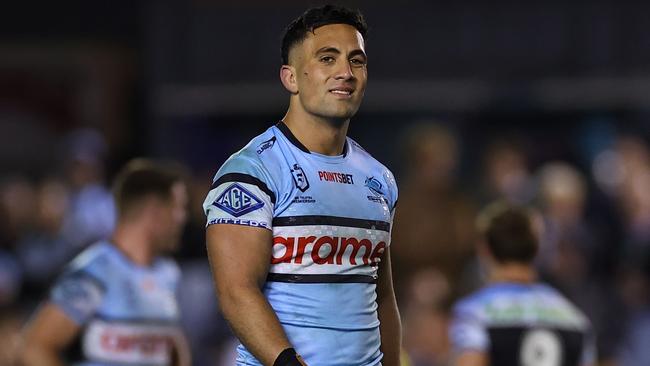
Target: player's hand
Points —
{"points": [[289, 357], [376, 260]]}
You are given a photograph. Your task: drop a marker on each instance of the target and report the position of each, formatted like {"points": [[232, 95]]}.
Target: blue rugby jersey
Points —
{"points": [[128, 314], [331, 218], [522, 324]]}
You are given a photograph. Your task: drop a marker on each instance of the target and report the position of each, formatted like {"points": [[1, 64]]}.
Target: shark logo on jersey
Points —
{"points": [[266, 145], [299, 178], [374, 185], [237, 201]]}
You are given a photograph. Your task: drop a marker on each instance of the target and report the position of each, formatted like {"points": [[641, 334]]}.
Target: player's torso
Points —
{"points": [[531, 326], [137, 317], [333, 219]]}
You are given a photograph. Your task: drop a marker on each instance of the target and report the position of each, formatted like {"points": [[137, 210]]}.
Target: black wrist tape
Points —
{"points": [[288, 357]]}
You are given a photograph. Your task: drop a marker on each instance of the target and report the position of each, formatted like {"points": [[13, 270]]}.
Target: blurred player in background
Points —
{"points": [[515, 320], [299, 220], [115, 303]]}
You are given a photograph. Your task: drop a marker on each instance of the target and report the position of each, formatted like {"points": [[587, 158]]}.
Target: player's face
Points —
{"points": [[331, 71], [172, 218]]}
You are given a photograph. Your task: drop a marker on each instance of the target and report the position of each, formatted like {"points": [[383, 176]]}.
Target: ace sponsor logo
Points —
{"points": [[237, 200]]}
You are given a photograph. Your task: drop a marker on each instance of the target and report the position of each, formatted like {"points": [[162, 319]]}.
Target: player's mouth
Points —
{"points": [[342, 92]]}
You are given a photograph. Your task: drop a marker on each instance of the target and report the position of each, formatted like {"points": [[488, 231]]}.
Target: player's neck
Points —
{"points": [[134, 242], [317, 134], [513, 272]]}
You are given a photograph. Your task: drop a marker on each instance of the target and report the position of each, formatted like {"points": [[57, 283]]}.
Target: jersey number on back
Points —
{"points": [[540, 348]]}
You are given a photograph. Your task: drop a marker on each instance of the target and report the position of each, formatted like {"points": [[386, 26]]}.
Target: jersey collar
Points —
{"points": [[292, 138]]}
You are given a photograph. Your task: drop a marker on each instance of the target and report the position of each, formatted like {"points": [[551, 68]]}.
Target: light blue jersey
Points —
{"points": [[522, 324], [331, 218], [128, 313]]}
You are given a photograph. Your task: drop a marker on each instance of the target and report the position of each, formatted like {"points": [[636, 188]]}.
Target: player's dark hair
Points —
{"points": [[142, 178], [508, 232], [317, 17]]}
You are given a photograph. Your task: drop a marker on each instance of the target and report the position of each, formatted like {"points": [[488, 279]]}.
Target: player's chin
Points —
{"points": [[345, 112]]}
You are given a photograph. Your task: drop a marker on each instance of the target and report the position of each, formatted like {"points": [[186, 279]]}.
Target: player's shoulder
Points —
{"points": [[480, 300], [379, 172], [572, 312], [473, 303], [260, 158], [550, 294], [251, 155], [95, 258], [95, 265], [359, 152]]}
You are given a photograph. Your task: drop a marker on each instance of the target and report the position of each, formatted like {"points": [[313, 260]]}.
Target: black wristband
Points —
{"points": [[288, 357]]}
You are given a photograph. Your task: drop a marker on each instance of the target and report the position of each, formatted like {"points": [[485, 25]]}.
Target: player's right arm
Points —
{"points": [[47, 335], [239, 259], [239, 208]]}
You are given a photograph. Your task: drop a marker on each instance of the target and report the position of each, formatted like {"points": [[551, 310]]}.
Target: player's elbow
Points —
{"points": [[234, 298]]}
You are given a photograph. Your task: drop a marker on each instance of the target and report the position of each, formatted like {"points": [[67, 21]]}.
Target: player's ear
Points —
{"points": [[288, 78]]}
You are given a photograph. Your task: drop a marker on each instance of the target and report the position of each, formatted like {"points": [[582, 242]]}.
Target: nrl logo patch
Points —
{"points": [[237, 201], [299, 178]]}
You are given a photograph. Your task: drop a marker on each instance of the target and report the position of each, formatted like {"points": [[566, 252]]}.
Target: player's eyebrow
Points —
{"points": [[329, 49], [358, 52]]}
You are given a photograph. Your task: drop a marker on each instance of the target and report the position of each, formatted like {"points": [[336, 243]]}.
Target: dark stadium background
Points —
{"points": [[538, 102]]}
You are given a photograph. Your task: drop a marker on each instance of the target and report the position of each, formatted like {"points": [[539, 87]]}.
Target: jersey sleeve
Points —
{"points": [[467, 332], [78, 295], [242, 193], [392, 190]]}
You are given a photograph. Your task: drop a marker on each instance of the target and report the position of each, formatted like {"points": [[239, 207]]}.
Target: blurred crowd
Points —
{"points": [[595, 246]]}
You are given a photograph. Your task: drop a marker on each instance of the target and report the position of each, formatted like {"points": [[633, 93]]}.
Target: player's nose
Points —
{"points": [[344, 71]]}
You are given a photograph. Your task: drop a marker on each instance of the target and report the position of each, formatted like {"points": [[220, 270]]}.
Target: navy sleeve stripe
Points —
{"points": [[82, 274], [244, 178], [331, 220], [319, 278]]}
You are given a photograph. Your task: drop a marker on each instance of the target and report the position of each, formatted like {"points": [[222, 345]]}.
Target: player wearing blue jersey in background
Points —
{"points": [[299, 220], [115, 304], [516, 320]]}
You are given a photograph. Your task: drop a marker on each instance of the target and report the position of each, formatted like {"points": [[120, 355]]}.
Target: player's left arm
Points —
{"points": [[390, 324], [181, 355]]}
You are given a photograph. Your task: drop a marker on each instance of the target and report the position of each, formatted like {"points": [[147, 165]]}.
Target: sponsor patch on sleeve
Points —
{"points": [[78, 295], [239, 203]]}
